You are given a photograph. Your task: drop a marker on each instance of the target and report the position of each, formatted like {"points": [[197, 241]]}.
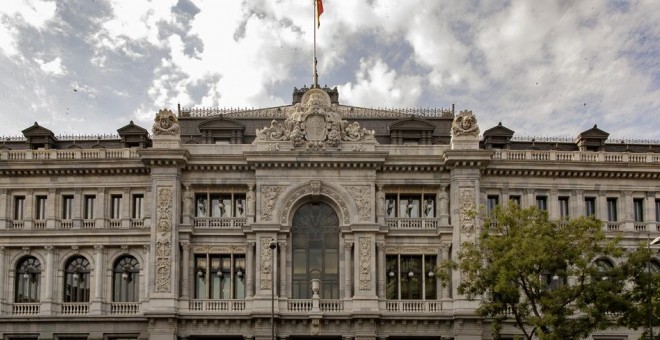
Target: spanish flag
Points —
{"points": [[319, 11]]}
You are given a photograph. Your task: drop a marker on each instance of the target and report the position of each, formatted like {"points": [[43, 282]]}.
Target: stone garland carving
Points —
{"points": [[163, 241], [314, 123], [166, 123], [269, 194], [314, 187], [266, 264], [361, 196], [467, 208], [465, 124], [365, 263]]}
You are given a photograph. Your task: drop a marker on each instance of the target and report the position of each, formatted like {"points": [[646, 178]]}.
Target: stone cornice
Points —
{"points": [[307, 159], [164, 157], [77, 171], [467, 158]]}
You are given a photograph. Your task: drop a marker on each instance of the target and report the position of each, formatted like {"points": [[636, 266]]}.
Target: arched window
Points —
{"points": [[315, 236], [126, 280], [28, 280], [76, 280], [603, 269]]}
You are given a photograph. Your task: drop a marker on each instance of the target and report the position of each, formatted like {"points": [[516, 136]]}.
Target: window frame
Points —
{"points": [[31, 266]]}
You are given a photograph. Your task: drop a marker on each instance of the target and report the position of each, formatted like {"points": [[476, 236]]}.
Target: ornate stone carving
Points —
{"points": [[466, 211], [163, 242], [309, 188], [465, 124], [249, 201], [269, 194], [365, 263], [166, 123], [314, 123], [266, 264], [360, 194]]}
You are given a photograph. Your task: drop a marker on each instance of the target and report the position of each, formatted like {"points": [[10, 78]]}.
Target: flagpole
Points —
{"points": [[315, 75]]}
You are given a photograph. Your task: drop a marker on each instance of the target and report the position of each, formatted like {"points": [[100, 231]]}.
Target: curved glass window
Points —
{"points": [[28, 280], [315, 238], [126, 280], [76, 280]]}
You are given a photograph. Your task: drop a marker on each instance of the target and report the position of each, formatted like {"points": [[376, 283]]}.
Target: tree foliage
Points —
{"points": [[540, 274], [642, 291]]}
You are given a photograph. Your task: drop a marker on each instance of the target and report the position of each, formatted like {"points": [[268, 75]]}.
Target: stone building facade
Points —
{"points": [[324, 219]]}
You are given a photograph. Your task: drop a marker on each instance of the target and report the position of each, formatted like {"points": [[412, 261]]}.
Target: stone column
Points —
{"points": [[249, 269], [146, 271], [628, 218], [553, 204], [380, 205], [528, 198], [649, 207], [185, 275], [28, 210], [282, 269], [50, 271], [96, 305], [2, 277], [380, 246], [348, 246], [100, 208], [51, 211], [76, 210], [443, 205], [444, 249], [125, 209], [601, 206], [577, 204], [98, 271], [4, 209]]}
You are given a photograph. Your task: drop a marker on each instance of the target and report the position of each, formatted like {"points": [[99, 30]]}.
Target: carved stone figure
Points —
{"points": [[465, 124], [187, 201], [166, 123], [314, 124]]}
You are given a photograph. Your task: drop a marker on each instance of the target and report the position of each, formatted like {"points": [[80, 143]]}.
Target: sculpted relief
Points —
{"points": [[166, 123], [314, 124], [465, 124], [163, 241], [467, 208]]}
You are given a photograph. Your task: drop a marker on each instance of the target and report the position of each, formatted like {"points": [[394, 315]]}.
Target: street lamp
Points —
{"points": [[650, 300], [272, 245]]}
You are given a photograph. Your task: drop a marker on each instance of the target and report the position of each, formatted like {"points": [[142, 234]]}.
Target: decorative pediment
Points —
{"points": [[314, 124], [39, 137], [592, 139], [499, 131], [133, 135], [37, 130], [221, 123], [594, 132], [412, 123]]}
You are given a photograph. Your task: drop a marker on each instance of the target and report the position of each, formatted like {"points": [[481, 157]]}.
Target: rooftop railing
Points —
{"points": [[576, 156], [23, 155]]}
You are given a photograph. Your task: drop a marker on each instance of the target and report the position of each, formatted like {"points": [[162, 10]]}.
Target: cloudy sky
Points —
{"points": [[542, 68]]}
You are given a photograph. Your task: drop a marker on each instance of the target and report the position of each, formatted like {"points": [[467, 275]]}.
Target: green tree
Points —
{"points": [[542, 275], [642, 291]]}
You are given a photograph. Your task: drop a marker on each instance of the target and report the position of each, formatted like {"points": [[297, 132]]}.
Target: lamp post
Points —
{"points": [[650, 294], [272, 245]]}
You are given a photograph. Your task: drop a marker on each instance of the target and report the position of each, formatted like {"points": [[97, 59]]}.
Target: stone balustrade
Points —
{"points": [[412, 223], [216, 305], [25, 308], [575, 156], [419, 306], [124, 308], [75, 308], [24, 155], [219, 223]]}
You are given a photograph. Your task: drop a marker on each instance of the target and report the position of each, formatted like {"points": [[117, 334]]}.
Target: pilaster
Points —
{"points": [[51, 207], [348, 249]]}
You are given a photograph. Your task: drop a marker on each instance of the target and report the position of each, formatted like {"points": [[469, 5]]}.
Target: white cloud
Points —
{"points": [[378, 85], [53, 67]]}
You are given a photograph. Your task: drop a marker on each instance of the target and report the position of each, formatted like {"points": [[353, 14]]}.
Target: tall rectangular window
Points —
{"points": [[563, 207], [657, 210], [115, 207], [219, 276], [67, 207], [611, 209], [491, 202], [542, 202], [138, 200], [590, 206], [89, 207], [638, 209], [515, 199], [40, 208], [19, 206], [410, 277]]}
